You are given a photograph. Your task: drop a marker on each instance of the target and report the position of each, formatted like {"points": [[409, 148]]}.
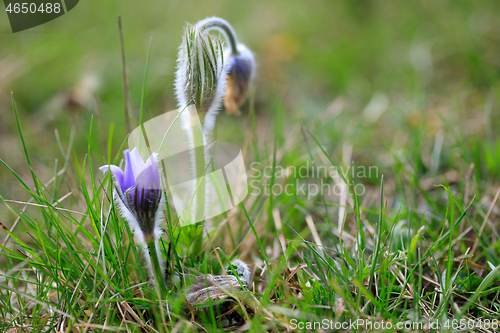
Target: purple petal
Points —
{"points": [[153, 159], [116, 172], [149, 178], [136, 162], [131, 194], [128, 178], [241, 68]]}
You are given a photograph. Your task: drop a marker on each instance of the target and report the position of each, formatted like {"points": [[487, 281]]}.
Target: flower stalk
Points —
{"points": [[223, 26], [200, 78], [200, 163], [152, 246]]}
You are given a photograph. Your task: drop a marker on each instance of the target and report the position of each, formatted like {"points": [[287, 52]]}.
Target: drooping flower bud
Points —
{"points": [[200, 73], [241, 72], [240, 64]]}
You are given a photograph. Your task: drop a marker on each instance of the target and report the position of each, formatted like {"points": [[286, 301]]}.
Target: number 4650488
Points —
{"points": [[34, 8]]}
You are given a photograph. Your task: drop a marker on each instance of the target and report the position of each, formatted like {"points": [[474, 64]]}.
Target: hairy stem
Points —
{"points": [[223, 26], [157, 274], [155, 264], [199, 160]]}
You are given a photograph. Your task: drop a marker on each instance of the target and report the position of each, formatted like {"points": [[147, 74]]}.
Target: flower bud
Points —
{"points": [[200, 76], [241, 72]]}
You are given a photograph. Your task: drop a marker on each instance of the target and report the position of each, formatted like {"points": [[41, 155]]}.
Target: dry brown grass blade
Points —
{"points": [[290, 281], [314, 232], [45, 206], [126, 98], [63, 170], [97, 304], [485, 221], [279, 228], [468, 178]]}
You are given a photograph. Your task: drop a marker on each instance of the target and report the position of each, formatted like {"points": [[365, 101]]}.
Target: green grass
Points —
{"points": [[419, 244]]}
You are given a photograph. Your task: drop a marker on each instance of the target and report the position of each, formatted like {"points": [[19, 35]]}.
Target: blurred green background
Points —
{"points": [[391, 76]]}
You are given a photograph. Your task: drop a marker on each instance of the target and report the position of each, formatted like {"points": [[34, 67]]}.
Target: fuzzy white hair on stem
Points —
{"points": [[139, 236], [201, 76]]}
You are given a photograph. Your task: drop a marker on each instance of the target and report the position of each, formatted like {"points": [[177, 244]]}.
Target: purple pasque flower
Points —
{"points": [[137, 189], [240, 75]]}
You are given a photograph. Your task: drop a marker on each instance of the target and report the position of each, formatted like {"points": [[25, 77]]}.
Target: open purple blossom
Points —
{"points": [[137, 192], [137, 189]]}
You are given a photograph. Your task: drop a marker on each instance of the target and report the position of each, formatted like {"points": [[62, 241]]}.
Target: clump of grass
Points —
{"points": [[80, 269]]}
